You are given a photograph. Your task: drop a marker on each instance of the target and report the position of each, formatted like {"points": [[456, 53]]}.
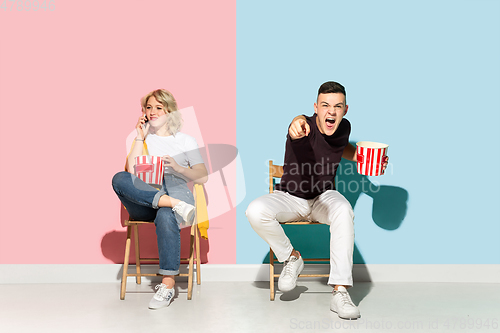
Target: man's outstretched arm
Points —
{"points": [[299, 128]]}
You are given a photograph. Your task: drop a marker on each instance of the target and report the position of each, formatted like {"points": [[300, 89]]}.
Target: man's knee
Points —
{"points": [[343, 212], [257, 211], [346, 208]]}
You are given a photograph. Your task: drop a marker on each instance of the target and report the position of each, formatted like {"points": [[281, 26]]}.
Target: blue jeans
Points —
{"points": [[141, 201]]}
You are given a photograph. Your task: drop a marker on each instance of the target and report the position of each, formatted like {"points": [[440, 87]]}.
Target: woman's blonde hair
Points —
{"points": [[165, 98]]}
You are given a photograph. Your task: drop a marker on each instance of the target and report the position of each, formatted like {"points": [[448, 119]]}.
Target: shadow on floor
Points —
{"points": [[362, 284], [148, 284]]}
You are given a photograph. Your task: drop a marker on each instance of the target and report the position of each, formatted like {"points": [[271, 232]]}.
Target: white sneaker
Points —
{"points": [[162, 298], [291, 270], [342, 304], [185, 210]]}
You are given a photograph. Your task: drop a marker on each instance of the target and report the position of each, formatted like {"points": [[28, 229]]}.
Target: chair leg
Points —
{"points": [[137, 255], [198, 256], [271, 273], [191, 266], [125, 264]]}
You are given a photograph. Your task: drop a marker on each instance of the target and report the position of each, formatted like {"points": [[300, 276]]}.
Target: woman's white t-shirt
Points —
{"points": [[182, 147]]}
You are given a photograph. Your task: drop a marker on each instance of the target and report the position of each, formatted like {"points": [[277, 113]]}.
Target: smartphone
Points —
{"points": [[144, 125]]}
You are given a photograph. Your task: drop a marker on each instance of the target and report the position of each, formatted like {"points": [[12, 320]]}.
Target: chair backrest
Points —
{"points": [[275, 171]]}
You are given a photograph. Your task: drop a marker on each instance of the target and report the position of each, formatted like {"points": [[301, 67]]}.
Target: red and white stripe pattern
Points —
{"points": [[149, 169], [370, 157]]}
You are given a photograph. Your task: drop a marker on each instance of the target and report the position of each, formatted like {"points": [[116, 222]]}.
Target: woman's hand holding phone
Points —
{"points": [[142, 127]]}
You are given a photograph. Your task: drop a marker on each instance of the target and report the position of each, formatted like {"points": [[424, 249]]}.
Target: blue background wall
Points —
{"points": [[422, 76]]}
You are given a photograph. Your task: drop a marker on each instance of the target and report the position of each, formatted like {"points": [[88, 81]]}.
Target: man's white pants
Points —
{"points": [[329, 208]]}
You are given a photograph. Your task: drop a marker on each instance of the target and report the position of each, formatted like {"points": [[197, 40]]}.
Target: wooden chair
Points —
{"points": [[191, 260], [276, 171]]}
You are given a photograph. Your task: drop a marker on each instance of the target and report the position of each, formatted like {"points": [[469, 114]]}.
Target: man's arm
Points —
{"points": [[299, 128], [350, 153]]}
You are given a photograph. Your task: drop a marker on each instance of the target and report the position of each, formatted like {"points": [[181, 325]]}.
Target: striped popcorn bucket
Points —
{"points": [[370, 157], [149, 169]]}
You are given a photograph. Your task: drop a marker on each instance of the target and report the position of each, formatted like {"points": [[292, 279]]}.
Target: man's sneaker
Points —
{"points": [[162, 298], [342, 304], [185, 210], [291, 270]]}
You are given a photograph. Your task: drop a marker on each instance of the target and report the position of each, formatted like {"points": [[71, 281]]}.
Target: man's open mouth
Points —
{"points": [[329, 123]]}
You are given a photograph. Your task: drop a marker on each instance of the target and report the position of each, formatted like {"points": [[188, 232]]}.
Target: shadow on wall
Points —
{"points": [[388, 212], [113, 243]]}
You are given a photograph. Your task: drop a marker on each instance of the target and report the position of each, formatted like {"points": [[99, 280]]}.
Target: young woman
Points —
{"points": [[171, 206]]}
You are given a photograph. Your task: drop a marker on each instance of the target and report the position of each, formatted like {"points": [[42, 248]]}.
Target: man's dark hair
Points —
{"points": [[331, 87]]}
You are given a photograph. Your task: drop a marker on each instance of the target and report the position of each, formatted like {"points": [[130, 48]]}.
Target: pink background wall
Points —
{"points": [[70, 84]]}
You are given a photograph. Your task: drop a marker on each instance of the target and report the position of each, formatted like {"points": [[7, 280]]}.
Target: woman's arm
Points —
{"points": [[138, 144], [136, 151], [197, 173]]}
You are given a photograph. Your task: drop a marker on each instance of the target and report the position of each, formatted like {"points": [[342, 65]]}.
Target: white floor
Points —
{"points": [[245, 307]]}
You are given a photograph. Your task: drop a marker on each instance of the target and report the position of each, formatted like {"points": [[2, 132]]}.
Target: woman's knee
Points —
{"points": [[119, 178]]}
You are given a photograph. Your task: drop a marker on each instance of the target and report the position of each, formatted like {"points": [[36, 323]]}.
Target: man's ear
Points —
{"points": [[346, 107], [315, 108]]}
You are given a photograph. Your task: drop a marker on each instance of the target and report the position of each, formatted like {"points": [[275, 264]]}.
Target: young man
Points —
{"points": [[314, 148]]}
